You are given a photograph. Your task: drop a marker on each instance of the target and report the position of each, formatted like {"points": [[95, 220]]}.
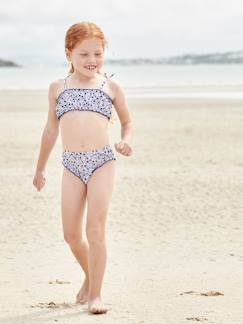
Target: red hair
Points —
{"points": [[81, 31]]}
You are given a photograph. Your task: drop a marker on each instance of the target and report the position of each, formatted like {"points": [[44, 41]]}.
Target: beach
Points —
{"points": [[174, 229]]}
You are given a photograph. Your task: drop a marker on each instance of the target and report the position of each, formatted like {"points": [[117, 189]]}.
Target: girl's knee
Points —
{"points": [[95, 234], [73, 238]]}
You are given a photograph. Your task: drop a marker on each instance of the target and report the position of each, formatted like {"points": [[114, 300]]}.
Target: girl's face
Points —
{"points": [[87, 57]]}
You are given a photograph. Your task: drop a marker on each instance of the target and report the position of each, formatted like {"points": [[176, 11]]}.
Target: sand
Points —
{"points": [[174, 231]]}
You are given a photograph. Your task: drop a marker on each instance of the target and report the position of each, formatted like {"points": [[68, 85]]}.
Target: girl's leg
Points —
{"points": [[99, 192], [73, 204]]}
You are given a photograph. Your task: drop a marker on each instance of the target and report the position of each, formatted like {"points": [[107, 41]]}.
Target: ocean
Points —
{"points": [[143, 80]]}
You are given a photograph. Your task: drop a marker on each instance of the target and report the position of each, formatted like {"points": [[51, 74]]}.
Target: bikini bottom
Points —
{"points": [[83, 164]]}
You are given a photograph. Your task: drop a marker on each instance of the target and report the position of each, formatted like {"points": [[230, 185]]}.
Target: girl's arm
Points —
{"points": [[125, 145], [48, 139]]}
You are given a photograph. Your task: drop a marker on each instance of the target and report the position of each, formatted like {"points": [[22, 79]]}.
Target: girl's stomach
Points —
{"points": [[83, 131]]}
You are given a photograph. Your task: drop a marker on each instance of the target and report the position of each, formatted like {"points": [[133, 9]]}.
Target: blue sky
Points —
{"points": [[33, 31]]}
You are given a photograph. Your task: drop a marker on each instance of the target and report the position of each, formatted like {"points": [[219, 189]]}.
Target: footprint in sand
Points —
{"points": [[60, 282], [54, 305], [197, 319], [209, 293]]}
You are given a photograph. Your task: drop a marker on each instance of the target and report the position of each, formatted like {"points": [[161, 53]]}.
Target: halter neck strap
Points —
{"points": [[106, 79], [65, 82]]}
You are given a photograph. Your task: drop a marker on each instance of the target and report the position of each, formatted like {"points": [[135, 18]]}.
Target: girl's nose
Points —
{"points": [[91, 59], [91, 62]]}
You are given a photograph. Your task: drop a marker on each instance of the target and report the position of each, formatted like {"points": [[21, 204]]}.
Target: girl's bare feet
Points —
{"points": [[82, 296], [96, 306]]}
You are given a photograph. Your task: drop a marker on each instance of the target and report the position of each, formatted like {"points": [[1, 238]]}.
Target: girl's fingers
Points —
{"points": [[123, 148], [129, 152], [39, 184], [126, 150], [39, 181]]}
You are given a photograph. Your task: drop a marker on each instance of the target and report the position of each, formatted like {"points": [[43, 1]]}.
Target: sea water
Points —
{"points": [[153, 80]]}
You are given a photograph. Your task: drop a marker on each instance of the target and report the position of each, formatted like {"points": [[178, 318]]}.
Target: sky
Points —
{"points": [[33, 31]]}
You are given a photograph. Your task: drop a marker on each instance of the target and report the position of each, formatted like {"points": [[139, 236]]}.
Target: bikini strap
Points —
{"points": [[106, 79], [65, 82]]}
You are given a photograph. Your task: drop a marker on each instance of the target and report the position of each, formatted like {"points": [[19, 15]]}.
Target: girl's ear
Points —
{"points": [[67, 52]]}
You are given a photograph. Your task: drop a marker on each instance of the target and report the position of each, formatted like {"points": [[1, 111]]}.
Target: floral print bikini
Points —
{"points": [[83, 164]]}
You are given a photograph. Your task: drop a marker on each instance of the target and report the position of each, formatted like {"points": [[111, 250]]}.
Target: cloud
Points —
{"points": [[133, 28]]}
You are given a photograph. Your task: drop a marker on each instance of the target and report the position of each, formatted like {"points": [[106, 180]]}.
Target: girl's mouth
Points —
{"points": [[90, 67]]}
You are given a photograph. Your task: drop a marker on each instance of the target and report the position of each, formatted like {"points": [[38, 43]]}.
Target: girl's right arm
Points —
{"points": [[48, 138]]}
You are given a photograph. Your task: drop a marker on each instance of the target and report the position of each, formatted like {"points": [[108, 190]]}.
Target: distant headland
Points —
{"points": [[5, 63], [233, 57], [186, 59]]}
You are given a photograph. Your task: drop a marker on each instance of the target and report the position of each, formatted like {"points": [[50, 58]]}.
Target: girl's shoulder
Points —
{"points": [[116, 87], [57, 83], [113, 82], [56, 87]]}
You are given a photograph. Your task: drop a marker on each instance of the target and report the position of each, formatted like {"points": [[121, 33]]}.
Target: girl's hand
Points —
{"points": [[124, 148], [39, 180]]}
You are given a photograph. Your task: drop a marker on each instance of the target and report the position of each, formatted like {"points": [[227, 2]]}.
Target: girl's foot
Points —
{"points": [[96, 306], [82, 296]]}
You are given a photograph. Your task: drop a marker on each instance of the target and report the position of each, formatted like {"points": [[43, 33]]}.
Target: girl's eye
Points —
{"points": [[85, 54]]}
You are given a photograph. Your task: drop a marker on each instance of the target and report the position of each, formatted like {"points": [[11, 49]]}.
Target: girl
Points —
{"points": [[82, 104]]}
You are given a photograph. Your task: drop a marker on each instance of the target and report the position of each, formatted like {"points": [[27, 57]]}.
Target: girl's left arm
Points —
{"points": [[125, 146]]}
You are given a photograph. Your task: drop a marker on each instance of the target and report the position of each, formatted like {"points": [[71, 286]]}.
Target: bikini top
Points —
{"points": [[84, 99]]}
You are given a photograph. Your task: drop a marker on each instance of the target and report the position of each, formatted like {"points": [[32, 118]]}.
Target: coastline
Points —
{"points": [[167, 95]]}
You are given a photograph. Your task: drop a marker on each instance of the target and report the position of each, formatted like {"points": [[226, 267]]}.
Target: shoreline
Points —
{"points": [[37, 100]]}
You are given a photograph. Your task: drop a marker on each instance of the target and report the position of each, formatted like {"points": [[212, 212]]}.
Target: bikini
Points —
{"points": [[83, 164]]}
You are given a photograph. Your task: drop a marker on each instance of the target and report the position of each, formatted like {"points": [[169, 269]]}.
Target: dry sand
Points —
{"points": [[174, 231]]}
